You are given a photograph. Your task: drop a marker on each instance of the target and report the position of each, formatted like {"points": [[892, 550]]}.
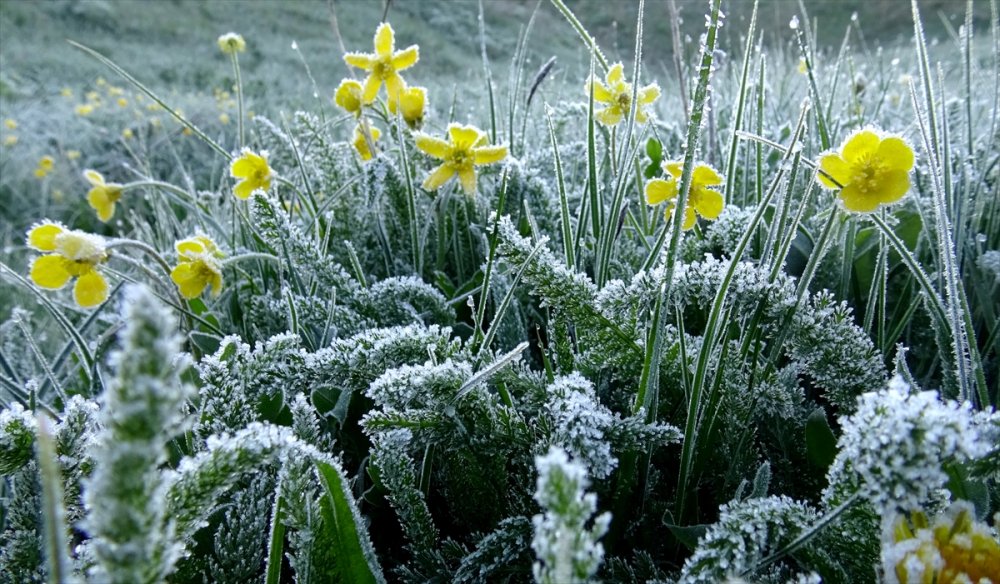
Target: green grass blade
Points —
{"points": [[344, 533]]}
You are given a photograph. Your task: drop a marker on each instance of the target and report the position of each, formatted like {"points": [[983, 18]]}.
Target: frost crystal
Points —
{"points": [[894, 448], [567, 551]]}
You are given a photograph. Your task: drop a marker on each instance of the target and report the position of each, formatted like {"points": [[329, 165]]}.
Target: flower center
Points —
{"points": [[868, 172], [624, 101], [383, 68], [81, 247], [461, 158]]}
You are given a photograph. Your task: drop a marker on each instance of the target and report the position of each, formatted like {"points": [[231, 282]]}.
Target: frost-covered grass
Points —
{"points": [[470, 339]]}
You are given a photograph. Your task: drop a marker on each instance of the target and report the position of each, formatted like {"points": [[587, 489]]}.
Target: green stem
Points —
{"points": [[239, 94]]}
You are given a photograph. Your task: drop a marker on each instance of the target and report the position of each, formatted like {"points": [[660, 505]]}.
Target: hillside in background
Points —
{"points": [[171, 43]]}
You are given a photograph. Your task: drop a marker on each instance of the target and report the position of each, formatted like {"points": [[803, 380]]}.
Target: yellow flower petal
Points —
{"points": [[384, 40], [609, 116], [406, 58], [188, 280], [467, 177], [616, 74], [394, 86], [705, 175], [894, 184], [93, 177], [190, 247], [857, 201], [438, 177], [659, 190], [372, 84], [43, 237], [836, 167], [360, 60], [859, 144], [50, 271], [246, 165], [896, 154], [91, 289], [463, 136], [489, 154], [436, 147], [708, 203], [674, 167], [649, 94], [99, 200], [689, 218], [244, 189], [601, 92]]}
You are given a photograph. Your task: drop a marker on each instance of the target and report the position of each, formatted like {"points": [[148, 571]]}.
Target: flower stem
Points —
{"points": [[239, 95]]}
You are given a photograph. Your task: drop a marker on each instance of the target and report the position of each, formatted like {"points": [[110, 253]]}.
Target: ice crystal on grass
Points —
{"points": [[895, 448], [143, 409], [567, 549]]}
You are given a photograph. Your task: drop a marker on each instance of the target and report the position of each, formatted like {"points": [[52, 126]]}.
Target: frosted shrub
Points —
{"points": [[567, 550], [895, 449]]}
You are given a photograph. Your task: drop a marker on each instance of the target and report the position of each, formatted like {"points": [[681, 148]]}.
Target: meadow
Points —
{"points": [[667, 292]]}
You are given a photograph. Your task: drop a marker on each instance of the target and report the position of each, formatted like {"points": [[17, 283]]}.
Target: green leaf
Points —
{"points": [[651, 170], [821, 444], [967, 488], [342, 536], [688, 535], [654, 150]]}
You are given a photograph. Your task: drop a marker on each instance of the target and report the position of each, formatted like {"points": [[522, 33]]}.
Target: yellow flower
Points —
{"points": [[254, 172], [128, 134], [232, 43], [66, 92], [93, 96], [361, 144], [198, 266], [101, 82], [102, 196], [10, 140], [384, 65], [224, 118], [701, 199], [84, 109], [44, 167], [465, 150], [75, 255], [803, 67], [122, 102], [956, 548], [617, 95], [412, 102], [115, 91], [72, 154], [870, 170], [11, 124], [348, 96]]}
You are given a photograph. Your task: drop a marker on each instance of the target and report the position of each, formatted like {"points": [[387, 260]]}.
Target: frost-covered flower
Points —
{"points": [[616, 95], [871, 169], [102, 195], [466, 149], [232, 43], [361, 142], [701, 199], [76, 254], [199, 266], [384, 64], [893, 448], [954, 549], [412, 102], [349, 96], [567, 550], [252, 168]]}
